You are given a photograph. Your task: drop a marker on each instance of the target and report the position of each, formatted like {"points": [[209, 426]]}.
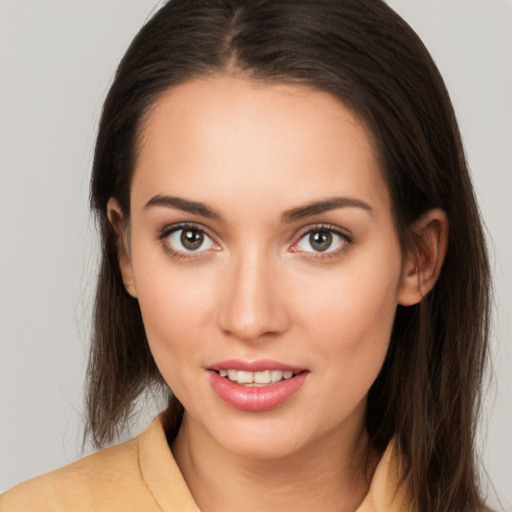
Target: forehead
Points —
{"points": [[228, 136]]}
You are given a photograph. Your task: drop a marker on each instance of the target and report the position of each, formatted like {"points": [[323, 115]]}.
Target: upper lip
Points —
{"points": [[254, 366]]}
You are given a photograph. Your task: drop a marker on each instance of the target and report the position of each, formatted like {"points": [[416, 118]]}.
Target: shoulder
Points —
{"points": [[109, 479]]}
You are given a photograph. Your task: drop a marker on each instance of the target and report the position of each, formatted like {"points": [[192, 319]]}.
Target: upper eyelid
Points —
{"points": [[170, 228], [167, 230], [345, 233]]}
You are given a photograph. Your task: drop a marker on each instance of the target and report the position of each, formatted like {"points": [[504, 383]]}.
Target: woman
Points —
{"points": [[292, 246]]}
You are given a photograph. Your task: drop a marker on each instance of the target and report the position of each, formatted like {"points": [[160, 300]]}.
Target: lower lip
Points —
{"points": [[252, 398]]}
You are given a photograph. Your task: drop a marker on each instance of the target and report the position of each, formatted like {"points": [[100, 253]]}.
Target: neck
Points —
{"points": [[331, 474]]}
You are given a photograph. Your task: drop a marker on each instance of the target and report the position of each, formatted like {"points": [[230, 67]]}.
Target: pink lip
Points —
{"points": [[254, 366], [252, 398]]}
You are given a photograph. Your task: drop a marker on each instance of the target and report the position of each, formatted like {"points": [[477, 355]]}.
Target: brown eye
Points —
{"points": [[320, 241], [191, 239]]}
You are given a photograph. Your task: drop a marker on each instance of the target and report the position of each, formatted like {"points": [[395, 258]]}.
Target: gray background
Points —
{"points": [[57, 58]]}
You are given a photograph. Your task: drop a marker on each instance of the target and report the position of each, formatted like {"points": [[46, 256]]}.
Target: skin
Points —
{"points": [[257, 288]]}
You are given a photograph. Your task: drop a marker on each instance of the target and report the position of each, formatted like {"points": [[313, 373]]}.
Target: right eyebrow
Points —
{"points": [[185, 205]]}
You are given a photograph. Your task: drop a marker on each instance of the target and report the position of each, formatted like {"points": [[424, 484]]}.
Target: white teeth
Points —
{"points": [[276, 375], [262, 377], [244, 377], [255, 378]]}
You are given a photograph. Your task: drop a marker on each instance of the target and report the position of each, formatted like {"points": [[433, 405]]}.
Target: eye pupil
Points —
{"points": [[192, 239], [320, 240]]}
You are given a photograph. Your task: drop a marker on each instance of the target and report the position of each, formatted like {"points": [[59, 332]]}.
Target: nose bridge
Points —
{"points": [[251, 306]]}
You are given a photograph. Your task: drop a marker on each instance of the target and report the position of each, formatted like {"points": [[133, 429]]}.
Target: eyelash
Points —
{"points": [[181, 255], [347, 242]]}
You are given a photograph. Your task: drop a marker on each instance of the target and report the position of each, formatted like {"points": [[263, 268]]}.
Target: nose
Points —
{"points": [[252, 308]]}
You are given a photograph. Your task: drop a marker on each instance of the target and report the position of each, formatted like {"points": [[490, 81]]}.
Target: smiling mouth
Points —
{"points": [[256, 386], [255, 379]]}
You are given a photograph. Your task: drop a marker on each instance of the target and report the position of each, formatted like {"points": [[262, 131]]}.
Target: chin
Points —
{"points": [[265, 436], [265, 446]]}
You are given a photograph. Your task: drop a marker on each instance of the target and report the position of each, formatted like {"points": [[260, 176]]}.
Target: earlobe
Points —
{"points": [[115, 217], [423, 264]]}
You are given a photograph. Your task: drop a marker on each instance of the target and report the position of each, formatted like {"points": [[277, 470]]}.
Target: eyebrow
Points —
{"points": [[292, 215], [324, 206], [183, 204]]}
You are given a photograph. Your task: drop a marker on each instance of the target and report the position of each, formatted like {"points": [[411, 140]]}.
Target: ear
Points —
{"points": [[115, 217], [425, 259]]}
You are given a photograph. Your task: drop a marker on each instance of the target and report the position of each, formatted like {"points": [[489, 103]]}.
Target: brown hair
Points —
{"points": [[427, 395]]}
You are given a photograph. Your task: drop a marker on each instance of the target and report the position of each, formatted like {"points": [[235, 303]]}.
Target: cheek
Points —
{"points": [[172, 319], [352, 313], [175, 306], [362, 292]]}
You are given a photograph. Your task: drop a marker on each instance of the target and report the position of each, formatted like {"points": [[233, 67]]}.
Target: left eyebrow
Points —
{"points": [[323, 206]]}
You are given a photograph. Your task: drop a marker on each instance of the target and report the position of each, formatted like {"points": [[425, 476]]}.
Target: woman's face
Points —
{"points": [[262, 245]]}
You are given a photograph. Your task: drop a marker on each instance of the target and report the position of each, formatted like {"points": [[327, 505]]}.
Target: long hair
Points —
{"points": [[427, 395]]}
